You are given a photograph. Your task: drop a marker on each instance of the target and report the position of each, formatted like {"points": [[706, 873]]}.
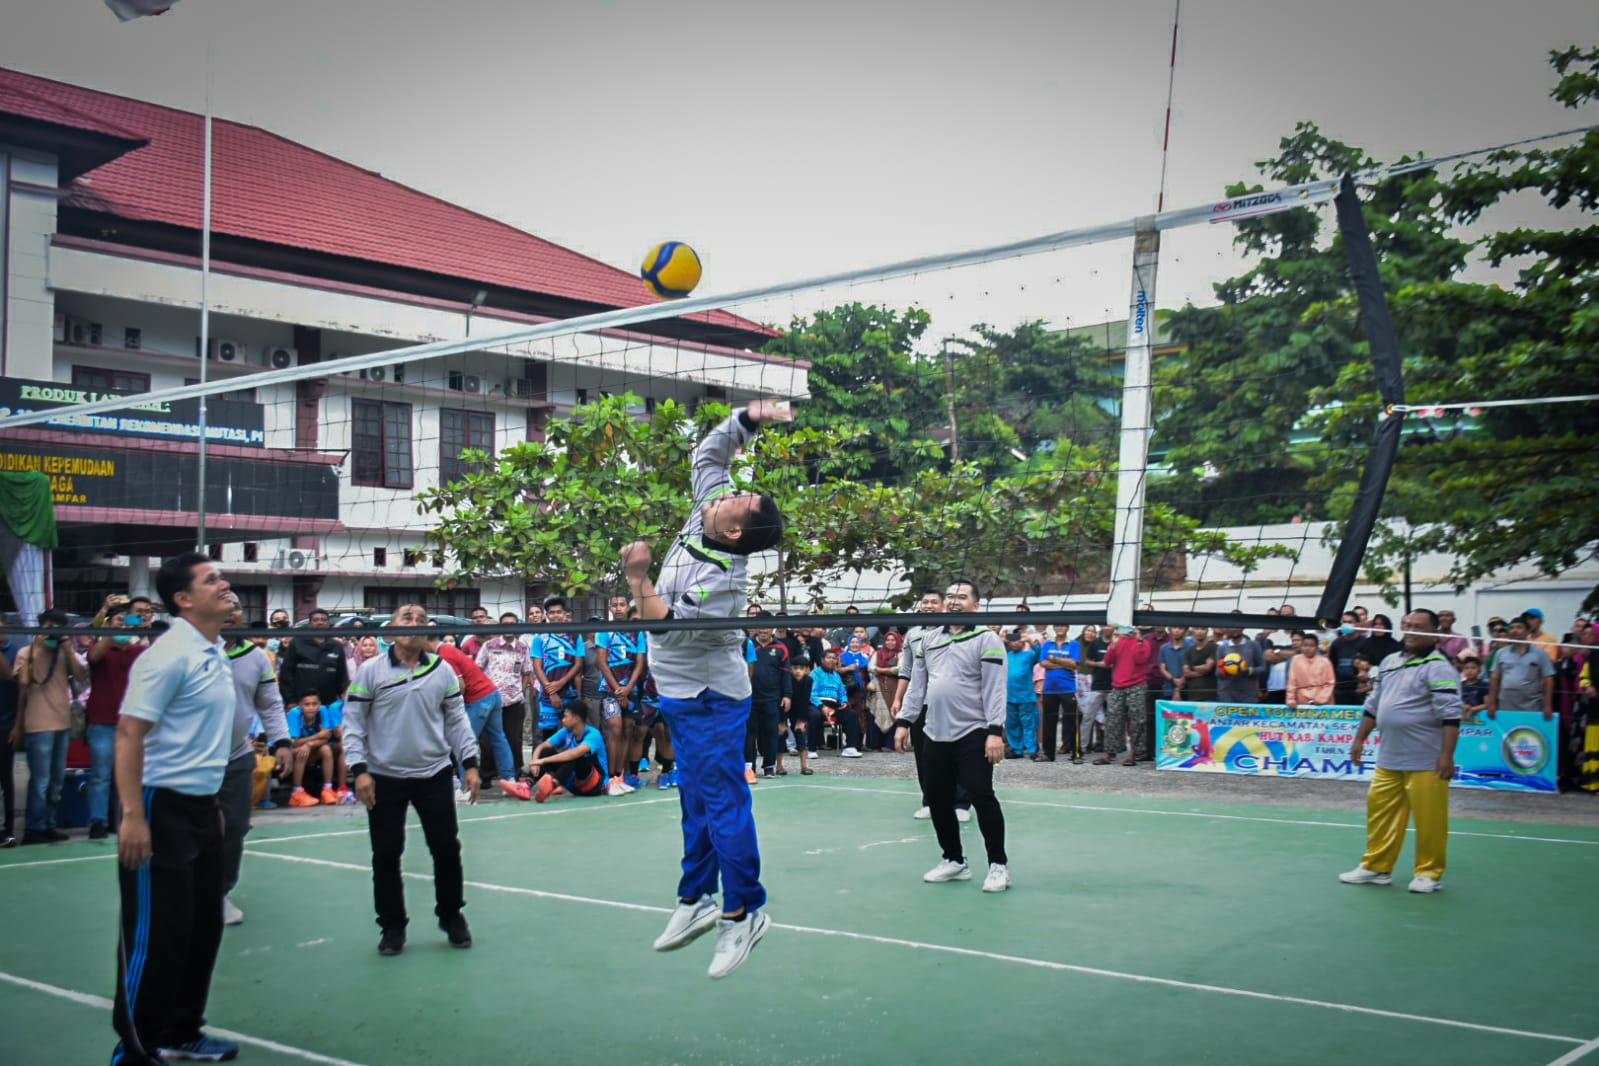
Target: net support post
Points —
{"points": [[1137, 404]]}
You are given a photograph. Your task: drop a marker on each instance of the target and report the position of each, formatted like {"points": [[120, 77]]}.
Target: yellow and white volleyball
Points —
{"points": [[671, 269]]}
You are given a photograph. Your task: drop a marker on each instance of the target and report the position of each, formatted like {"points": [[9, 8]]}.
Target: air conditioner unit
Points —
{"points": [[471, 383], [280, 358], [519, 388], [375, 373], [300, 560], [226, 351], [71, 330]]}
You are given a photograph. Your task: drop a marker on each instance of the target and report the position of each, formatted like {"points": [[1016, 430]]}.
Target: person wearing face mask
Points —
{"points": [[275, 646], [1342, 653], [110, 663], [44, 722]]}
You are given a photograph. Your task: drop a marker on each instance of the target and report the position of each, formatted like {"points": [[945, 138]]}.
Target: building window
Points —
{"points": [[253, 602], [380, 446], [241, 395], [458, 431], [214, 552], [380, 557], [458, 601], [252, 552], [132, 338], [100, 379]]}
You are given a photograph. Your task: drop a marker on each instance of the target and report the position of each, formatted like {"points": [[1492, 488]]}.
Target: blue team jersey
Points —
{"points": [[562, 740], [1019, 674], [620, 650], [557, 652]]}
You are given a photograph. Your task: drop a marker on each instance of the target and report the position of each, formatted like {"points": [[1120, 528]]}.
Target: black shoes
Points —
{"points": [[455, 928], [98, 831], [392, 942], [43, 836]]}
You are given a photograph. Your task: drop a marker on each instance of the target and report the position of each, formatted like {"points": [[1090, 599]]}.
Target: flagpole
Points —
{"points": [[205, 311]]}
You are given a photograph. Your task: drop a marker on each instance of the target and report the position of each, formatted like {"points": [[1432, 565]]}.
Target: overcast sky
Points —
{"points": [[786, 140]]}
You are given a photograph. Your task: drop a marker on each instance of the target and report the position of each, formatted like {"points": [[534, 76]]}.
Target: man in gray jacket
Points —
{"points": [[255, 693], [704, 684], [403, 720], [957, 674]]}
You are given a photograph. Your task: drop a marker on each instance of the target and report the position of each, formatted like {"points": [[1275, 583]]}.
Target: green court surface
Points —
{"points": [[1138, 931]]}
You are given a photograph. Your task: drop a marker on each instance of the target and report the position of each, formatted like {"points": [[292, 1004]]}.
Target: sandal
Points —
{"points": [[1103, 760], [781, 772], [807, 771], [1130, 761]]}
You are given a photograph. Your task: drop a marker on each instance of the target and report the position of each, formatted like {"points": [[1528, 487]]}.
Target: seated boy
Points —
{"points": [[571, 760], [829, 692], [314, 737]]}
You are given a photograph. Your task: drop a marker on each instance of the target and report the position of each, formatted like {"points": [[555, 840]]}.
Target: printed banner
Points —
{"points": [[1514, 752]]}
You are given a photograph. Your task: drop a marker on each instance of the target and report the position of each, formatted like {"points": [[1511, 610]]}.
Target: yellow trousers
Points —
{"points": [[1394, 796]]}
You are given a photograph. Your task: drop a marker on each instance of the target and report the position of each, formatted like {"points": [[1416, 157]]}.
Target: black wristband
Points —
{"points": [[358, 769]]}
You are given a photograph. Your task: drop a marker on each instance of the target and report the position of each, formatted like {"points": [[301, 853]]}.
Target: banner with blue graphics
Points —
{"points": [[1514, 752]]}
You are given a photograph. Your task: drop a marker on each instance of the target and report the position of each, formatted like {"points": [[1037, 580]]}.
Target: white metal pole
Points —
{"points": [[1132, 467], [205, 315]]}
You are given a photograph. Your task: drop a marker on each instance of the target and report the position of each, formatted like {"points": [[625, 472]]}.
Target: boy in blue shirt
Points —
{"points": [[829, 693], [572, 760], [1021, 702], [558, 664]]}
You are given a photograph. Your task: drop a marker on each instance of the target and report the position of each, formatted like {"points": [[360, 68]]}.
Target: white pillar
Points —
{"points": [[1132, 467]]}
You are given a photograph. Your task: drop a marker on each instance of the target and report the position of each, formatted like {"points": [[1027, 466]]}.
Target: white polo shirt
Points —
{"points": [[183, 685]]}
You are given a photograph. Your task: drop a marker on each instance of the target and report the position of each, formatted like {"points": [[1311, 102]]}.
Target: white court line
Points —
{"points": [[545, 812], [86, 1000], [1194, 814], [1577, 1053], [1020, 960]]}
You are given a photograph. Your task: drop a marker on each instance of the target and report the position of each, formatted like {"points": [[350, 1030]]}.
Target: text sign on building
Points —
{"points": [[227, 421], [165, 480]]}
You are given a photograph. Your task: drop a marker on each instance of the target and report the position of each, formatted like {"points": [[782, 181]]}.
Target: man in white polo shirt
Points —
{"points": [[173, 740]]}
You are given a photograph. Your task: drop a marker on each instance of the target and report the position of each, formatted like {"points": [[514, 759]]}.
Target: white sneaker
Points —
{"points": [[948, 871], [963, 813], [232, 915], [616, 788], [735, 941], [923, 813], [998, 879], [1362, 876], [689, 921], [462, 797], [1426, 884], [849, 753]]}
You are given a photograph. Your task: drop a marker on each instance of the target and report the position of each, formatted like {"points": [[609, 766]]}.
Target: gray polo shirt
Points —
{"points": [[701, 580], [1412, 699], [405, 721], [255, 691], [960, 679], [1521, 671]]}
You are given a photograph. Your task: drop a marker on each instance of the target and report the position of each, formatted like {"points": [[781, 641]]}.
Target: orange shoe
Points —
{"points": [[749, 775], [301, 798], [330, 796], [547, 788], [516, 789]]}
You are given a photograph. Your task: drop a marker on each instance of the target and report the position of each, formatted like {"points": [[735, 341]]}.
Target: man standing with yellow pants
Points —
{"points": [[1415, 702]]}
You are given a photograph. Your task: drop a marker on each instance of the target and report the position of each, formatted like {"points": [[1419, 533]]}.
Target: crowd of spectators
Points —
{"points": [[1080, 695]]}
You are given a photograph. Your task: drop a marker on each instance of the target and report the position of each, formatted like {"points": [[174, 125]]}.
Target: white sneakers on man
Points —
{"points": [[849, 753], [688, 922], [948, 871], [1362, 876], [735, 940], [923, 814], [963, 813], [232, 915], [998, 879], [1426, 884]]}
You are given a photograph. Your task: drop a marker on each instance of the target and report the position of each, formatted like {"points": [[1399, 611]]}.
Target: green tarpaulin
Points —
{"points": [[28, 508]]}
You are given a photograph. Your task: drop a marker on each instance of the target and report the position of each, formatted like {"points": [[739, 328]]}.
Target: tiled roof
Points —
{"points": [[267, 188]]}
